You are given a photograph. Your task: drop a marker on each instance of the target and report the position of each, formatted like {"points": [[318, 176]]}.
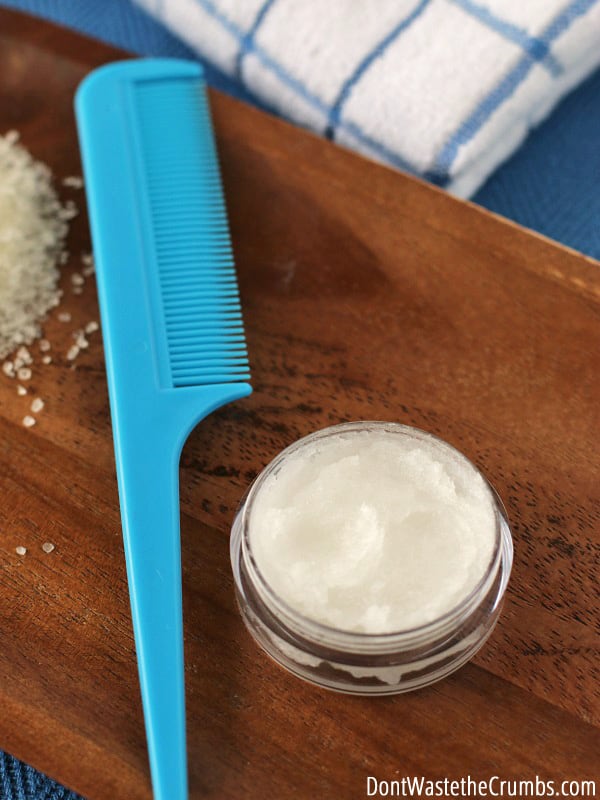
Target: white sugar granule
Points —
{"points": [[24, 374], [87, 260], [46, 359], [68, 211], [91, 327], [81, 341], [21, 390], [47, 547], [72, 353], [20, 550], [28, 421], [37, 405], [64, 316], [45, 345], [33, 228], [73, 181], [24, 356]]}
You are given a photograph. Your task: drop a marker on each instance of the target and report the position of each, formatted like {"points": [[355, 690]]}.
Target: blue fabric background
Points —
{"points": [[552, 185], [20, 782]]}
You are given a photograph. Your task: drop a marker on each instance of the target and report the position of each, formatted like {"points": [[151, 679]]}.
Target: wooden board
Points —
{"points": [[366, 295]]}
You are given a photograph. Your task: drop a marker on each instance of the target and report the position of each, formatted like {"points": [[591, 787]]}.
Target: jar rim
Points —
{"points": [[331, 635]]}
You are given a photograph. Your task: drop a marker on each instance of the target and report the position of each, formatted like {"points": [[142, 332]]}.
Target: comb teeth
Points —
{"points": [[192, 248]]}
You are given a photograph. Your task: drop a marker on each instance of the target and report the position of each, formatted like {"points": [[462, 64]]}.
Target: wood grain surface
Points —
{"points": [[366, 295]]}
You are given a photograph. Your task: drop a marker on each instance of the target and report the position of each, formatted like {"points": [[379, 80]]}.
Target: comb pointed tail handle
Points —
{"points": [[149, 490], [147, 454]]}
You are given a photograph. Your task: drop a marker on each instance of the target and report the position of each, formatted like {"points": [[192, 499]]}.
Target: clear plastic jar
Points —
{"points": [[366, 663]]}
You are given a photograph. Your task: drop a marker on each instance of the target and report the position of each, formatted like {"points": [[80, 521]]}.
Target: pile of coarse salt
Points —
{"points": [[33, 227]]}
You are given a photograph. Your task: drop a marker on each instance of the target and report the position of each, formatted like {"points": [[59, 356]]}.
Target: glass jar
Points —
{"points": [[356, 662]]}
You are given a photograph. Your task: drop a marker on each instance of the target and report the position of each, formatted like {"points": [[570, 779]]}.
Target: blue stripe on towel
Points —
{"points": [[300, 89], [537, 48], [376, 52], [247, 42], [439, 173], [269, 62]]}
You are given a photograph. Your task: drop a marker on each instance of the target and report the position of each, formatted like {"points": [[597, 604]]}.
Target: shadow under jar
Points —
{"points": [[404, 544]]}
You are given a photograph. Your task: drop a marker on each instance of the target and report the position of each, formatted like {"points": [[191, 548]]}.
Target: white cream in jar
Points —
{"points": [[371, 532], [371, 557]]}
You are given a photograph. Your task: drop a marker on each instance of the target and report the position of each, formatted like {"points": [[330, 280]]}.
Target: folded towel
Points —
{"points": [[443, 89]]}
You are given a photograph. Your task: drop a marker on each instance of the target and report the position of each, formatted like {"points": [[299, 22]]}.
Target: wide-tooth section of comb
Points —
{"points": [[192, 249]]}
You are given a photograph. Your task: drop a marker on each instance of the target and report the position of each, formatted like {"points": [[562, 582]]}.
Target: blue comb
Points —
{"points": [[173, 340]]}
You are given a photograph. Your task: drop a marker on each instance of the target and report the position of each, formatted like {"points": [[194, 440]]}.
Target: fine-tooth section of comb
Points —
{"points": [[192, 253]]}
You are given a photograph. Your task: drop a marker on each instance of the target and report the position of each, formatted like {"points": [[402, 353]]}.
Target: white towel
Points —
{"points": [[443, 89]]}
